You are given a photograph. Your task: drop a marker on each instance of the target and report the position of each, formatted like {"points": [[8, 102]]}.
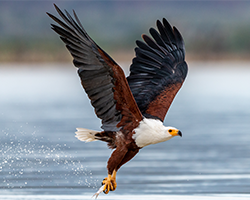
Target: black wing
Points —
{"points": [[158, 70], [102, 79]]}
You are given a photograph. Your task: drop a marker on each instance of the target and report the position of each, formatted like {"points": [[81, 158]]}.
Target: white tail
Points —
{"points": [[86, 135]]}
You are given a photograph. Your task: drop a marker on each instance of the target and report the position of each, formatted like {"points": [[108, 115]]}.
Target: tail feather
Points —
{"points": [[86, 135]]}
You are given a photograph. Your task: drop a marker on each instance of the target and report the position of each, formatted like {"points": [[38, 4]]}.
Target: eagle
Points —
{"points": [[132, 109]]}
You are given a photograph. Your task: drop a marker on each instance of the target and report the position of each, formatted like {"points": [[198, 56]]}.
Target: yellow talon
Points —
{"points": [[109, 183], [113, 180]]}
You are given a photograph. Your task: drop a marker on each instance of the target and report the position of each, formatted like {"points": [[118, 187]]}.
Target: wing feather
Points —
{"points": [[158, 70], [103, 80]]}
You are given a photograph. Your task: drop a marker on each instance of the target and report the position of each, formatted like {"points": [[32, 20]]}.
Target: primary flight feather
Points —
{"points": [[132, 109]]}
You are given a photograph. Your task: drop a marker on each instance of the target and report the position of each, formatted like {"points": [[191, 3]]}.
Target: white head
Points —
{"points": [[151, 131], [171, 131]]}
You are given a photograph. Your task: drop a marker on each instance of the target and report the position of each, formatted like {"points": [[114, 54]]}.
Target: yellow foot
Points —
{"points": [[108, 184]]}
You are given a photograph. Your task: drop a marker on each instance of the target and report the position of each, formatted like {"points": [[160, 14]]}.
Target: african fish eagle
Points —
{"points": [[132, 109]]}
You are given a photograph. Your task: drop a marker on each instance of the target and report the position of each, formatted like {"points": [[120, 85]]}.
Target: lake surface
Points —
{"points": [[40, 107]]}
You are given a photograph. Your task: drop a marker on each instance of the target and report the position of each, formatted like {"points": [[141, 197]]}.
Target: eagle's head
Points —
{"points": [[152, 131], [173, 131]]}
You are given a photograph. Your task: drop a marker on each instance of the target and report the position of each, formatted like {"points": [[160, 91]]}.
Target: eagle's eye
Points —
{"points": [[170, 131]]}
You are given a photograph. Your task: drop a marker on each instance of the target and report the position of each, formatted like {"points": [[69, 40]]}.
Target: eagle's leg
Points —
{"points": [[129, 155], [119, 157], [109, 183], [113, 163], [113, 180]]}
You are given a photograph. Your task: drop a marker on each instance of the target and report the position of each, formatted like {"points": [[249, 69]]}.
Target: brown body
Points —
{"points": [[125, 150]]}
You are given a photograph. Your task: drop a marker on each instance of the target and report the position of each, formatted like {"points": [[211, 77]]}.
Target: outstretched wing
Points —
{"points": [[158, 70], [103, 80]]}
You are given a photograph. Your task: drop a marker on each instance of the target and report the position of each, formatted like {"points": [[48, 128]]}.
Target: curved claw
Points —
{"points": [[109, 184], [113, 180]]}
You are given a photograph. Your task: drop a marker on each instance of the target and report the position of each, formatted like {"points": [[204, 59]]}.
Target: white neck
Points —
{"points": [[150, 131]]}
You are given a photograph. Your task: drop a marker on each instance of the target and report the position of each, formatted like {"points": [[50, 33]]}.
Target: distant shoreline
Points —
{"points": [[35, 57]]}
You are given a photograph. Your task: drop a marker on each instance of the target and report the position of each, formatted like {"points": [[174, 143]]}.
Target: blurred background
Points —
{"points": [[42, 102], [215, 29]]}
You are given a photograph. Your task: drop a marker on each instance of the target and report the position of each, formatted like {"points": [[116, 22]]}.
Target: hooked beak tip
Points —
{"points": [[179, 133]]}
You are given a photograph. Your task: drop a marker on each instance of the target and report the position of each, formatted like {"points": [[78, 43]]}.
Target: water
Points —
{"points": [[40, 107]]}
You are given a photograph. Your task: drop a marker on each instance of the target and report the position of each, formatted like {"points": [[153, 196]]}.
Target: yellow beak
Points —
{"points": [[176, 133]]}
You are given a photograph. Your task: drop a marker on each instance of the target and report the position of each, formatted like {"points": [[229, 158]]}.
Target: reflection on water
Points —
{"points": [[41, 107]]}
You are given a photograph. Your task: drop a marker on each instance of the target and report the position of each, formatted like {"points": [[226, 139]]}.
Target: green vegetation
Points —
{"points": [[211, 29]]}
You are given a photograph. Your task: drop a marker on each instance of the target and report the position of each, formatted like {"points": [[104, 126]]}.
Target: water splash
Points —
{"points": [[30, 161]]}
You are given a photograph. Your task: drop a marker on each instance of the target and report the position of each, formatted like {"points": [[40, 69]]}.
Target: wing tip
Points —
{"points": [[56, 7]]}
